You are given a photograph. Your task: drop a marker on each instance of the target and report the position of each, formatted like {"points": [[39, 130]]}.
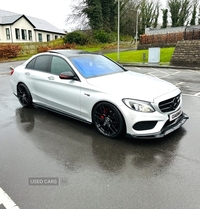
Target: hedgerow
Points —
{"points": [[9, 51]]}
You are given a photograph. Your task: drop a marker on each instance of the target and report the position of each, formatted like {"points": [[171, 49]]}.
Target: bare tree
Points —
{"points": [[78, 17]]}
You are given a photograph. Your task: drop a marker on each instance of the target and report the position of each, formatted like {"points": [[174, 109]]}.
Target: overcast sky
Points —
{"points": [[54, 12]]}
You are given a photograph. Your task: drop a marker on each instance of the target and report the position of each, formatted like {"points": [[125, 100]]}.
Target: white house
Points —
{"points": [[16, 28]]}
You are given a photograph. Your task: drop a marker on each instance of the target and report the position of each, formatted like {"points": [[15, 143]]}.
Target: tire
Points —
{"points": [[108, 120], [24, 95]]}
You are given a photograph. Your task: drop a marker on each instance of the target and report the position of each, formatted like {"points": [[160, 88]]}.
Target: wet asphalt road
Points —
{"points": [[93, 171]]}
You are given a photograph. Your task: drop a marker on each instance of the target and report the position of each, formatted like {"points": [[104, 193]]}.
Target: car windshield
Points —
{"points": [[95, 65]]}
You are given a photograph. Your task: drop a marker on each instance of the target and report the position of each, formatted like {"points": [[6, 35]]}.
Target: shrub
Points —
{"points": [[43, 48], [9, 51], [161, 38], [103, 37], [76, 37]]}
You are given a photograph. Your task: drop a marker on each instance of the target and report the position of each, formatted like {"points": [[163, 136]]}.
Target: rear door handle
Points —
{"points": [[27, 73], [51, 78]]}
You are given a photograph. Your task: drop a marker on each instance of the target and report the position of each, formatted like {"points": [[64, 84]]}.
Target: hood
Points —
{"points": [[132, 85]]}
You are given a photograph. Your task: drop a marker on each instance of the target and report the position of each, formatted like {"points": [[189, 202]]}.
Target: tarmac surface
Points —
{"points": [[51, 161]]}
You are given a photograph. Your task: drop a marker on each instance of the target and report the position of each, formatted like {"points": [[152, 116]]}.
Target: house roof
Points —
{"points": [[9, 18]]}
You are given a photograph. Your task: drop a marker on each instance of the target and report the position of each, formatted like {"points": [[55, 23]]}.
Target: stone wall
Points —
{"points": [[187, 53]]}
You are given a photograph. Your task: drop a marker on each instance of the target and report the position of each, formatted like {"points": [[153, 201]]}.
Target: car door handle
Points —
{"points": [[51, 78], [27, 73]]}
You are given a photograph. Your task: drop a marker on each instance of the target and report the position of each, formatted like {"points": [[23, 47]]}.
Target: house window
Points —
{"points": [[48, 37], [17, 33], [7, 33], [29, 35], [24, 34], [40, 37], [56, 37]]}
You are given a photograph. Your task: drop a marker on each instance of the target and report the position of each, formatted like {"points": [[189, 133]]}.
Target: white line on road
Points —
{"points": [[197, 94], [7, 201], [170, 74], [179, 83]]}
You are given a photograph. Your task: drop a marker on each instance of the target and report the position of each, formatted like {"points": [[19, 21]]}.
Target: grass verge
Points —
{"points": [[141, 56]]}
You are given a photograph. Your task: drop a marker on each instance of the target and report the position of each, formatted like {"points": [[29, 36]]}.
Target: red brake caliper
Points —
{"points": [[104, 113]]}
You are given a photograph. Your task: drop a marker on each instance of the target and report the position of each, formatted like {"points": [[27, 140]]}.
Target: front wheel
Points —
{"points": [[24, 95], [108, 120]]}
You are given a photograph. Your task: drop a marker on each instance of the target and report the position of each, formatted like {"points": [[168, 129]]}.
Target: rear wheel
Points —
{"points": [[24, 95], [108, 119]]}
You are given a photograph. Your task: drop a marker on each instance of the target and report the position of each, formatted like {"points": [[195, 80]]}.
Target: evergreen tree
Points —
{"points": [[194, 13], [164, 17], [180, 11], [93, 10]]}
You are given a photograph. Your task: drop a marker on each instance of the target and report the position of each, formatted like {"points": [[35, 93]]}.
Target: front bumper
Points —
{"points": [[167, 129]]}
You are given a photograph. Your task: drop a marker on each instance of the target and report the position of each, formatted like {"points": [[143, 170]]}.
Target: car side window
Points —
{"points": [[31, 64], [40, 63], [59, 65]]}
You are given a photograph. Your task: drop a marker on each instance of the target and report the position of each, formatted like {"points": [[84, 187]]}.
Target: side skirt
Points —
{"points": [[61, 112]]}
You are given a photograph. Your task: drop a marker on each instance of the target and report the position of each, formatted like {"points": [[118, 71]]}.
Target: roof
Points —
{"points": [[9, 18], [68, 52]]}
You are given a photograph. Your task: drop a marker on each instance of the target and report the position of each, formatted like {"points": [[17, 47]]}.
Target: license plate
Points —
{"points": [[175, 115]]}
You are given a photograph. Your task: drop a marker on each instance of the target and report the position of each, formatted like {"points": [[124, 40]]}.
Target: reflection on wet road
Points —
{"points": [[93, 171]]}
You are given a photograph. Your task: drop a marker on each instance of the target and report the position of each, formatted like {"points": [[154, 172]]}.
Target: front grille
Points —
{"points": [[170, 104]]}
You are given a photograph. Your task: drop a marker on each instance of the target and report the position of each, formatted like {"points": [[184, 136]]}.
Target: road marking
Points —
{"points": [[191, 95], [170, 74], [7, 201], [179, 83], [197, 94]]}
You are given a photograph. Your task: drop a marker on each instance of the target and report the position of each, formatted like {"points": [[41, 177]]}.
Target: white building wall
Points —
{"points": [[23, 24], [1, 33]]}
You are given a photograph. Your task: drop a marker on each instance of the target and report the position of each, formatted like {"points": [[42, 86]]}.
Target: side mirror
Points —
{"points": [[68, 75]]}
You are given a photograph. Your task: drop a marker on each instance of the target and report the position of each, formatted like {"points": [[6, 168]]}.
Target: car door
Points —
{"points": [[48, 89], [37, 72], [63, 94]]}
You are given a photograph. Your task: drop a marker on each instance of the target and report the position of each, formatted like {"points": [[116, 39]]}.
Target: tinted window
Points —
{"points": [[59, 65], [31, 64], [41, 63], [95, 65]]}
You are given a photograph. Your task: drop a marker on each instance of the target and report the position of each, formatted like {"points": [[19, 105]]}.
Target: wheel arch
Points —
{"points": [[29, 104], [125, 128], [23, 84]]}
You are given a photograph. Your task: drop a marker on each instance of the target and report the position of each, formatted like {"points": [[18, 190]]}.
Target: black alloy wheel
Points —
{"points": [[108, 120], [24, 95]]}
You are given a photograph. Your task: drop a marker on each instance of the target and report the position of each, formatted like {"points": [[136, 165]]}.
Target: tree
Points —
{"points": [[164, 17], [103, 15], [77, 17], [149, 12], [194, 12], [93, 11], [180, 11]]}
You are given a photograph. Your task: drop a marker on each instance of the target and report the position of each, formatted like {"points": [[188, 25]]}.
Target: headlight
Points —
{"points": [[139, 106]]}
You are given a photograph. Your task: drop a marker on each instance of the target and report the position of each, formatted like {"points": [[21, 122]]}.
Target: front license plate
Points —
{"points": [[175, 115]]}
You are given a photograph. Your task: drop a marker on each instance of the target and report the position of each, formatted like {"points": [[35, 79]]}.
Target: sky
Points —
{"points": [[54, 12]]}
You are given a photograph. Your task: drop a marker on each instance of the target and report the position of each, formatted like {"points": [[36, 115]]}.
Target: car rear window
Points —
{"points": [[95, 65]]}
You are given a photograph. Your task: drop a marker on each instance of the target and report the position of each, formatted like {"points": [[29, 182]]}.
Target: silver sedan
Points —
{"points": [[94, 89]]}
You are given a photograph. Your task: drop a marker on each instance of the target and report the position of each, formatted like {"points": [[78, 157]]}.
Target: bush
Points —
{"points": [[76, 37], [43, 48], [9, 51], [161, 38], [103, 37]]}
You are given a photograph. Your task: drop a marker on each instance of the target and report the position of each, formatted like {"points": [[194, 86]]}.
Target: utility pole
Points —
{"points": [[118, 31], [136, 33]]}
